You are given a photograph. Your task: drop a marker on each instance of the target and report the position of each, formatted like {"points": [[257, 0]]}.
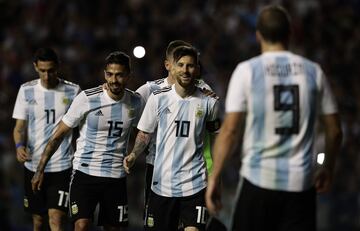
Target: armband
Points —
{"points": [[18, 145]]}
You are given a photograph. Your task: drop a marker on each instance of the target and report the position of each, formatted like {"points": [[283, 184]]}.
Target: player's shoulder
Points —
{"points": [[93, 91], [156, 84], [162, 90], [69, 83], [30, 83], [133, 94], [204, 94]]}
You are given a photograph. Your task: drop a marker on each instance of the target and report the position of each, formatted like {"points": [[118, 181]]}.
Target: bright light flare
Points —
{"points": [[139, 52], [320, 158]]}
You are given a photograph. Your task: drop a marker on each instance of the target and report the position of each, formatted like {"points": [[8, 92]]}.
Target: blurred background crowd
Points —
{"points": [[84, 32]]}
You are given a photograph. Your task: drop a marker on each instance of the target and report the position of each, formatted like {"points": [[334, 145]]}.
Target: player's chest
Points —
{"points": [[111, 118]]}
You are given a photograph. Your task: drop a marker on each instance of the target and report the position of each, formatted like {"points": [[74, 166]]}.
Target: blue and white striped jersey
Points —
{"points": [[43, 109], [105, 126], [282, 94], [145, 91], [179, 166]]}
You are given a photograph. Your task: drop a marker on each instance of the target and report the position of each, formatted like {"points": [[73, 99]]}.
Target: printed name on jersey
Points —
{"points": [[93, 91], [165, 89], [30, 83]]}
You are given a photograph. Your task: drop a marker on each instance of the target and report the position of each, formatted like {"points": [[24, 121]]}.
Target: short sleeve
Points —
{"points": [[76, 111], [148, 120], [236, 100], [144, 91], [20, 108], [213, 121]]}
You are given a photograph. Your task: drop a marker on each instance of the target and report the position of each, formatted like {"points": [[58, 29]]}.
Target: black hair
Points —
{"points": [[118, 57], [46, 54], [182, 51], [274, 24], [173, 45]]}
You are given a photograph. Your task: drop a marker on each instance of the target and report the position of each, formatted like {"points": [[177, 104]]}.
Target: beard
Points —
{"points": [[189, 81], [116, 89]]}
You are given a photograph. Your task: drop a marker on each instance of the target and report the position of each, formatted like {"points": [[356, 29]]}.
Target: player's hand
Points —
{"points": [[105, 87], [37, 181], [213, 196], [209, 93], [323, 180], [22, 155], [129, 161]]}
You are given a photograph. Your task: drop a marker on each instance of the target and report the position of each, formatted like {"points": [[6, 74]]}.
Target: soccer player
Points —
{"points": [[277, 96], [180, 113], [105, 119], [146, 90], [39, 107]]}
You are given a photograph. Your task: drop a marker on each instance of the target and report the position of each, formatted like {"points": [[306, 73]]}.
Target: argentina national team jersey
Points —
{"points": [[282, 94], [179, 166], [145, 91], [43, 109], [105, 126]]}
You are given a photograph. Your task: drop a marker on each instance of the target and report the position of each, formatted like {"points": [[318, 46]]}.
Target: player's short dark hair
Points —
{"points": [[118, 57], [173, 45], [182, 51], [274, 24], [46, 54]]}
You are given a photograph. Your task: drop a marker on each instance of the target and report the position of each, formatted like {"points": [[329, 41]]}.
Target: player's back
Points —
{"points": [[283, 95]]}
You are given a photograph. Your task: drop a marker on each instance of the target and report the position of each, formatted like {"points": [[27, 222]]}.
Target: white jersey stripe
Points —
{"points": [[258, 93]]}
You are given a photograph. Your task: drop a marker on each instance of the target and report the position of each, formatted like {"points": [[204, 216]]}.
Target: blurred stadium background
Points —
{"points": [[84, 32]]}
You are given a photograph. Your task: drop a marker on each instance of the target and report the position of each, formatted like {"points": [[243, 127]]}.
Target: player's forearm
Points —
{"points": [[221, 151], [333, 139], [50, 149], [19, 136], [141, 142], [230, 134]]}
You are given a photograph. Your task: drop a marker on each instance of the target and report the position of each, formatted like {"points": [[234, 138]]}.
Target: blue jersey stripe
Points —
{"points": [[66, 148], [199, 158], [30, 97], [310, 71], [163, 124], [89, 147], [258, 107]]}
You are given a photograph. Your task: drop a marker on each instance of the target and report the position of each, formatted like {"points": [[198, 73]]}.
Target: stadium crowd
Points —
{"points": [[82, 33]]}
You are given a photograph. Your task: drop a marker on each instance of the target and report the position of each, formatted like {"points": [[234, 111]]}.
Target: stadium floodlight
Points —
{"points": [[139, 52], [320, 158]]}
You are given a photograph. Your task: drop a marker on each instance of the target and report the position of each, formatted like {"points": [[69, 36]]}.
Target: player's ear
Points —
{"points": [[167, 64], [35, 66]]}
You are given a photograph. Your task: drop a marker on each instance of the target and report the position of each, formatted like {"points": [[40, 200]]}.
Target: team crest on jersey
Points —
{"points": [[66, 101], [199, 112], [74, 209], [26, 203], [150, 221], [131, 112]]}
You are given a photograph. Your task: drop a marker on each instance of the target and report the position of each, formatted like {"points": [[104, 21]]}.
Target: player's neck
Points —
{"points": [[170, 80], [115, 97], [268, 47], [184, 92]]}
